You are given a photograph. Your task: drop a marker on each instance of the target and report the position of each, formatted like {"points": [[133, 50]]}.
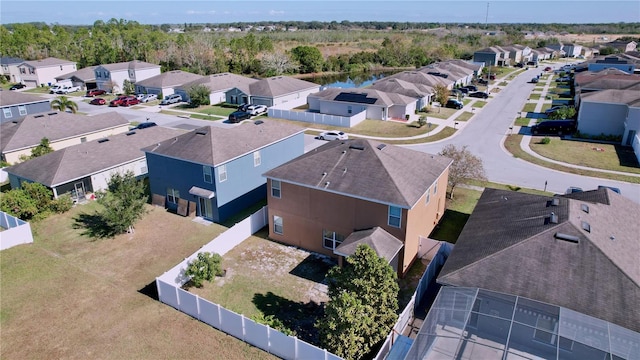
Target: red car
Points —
{"points": [[95, 92], [130, 101], [98, 101], [117, 101], [548, 68]]}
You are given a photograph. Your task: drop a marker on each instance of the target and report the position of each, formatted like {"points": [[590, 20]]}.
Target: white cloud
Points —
{"points": [[276, 12], [200, 12]]}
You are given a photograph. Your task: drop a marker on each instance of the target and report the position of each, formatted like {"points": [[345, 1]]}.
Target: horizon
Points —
{"points": [[158, 12]]}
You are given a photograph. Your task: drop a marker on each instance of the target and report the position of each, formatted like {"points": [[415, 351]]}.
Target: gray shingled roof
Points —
{"points": [[214, 146], [381, 98], [419, 77], [279, 86], [7, 60], [223, 81], [399, 86], [50, 61], [78, 161], [509, 245], [365, 169], [29, 131], [169, 79], [615, 96], [11, 98], [84, 74], [135, 64], [384, 244]]}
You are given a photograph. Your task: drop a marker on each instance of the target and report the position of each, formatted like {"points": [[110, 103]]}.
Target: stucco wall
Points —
{"points": [[601, 118]]}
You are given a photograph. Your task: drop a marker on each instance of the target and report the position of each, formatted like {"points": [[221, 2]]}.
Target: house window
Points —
{"points": [[222, 173], [83, 139], [331, 240], [275, 188], [143, 167], [7, 112], [349, 109], [23, 71], [257, 160], [395, 216], [32, 71], [173, 195], [428, 195], [60, 67], [206, 171], [278, 227], [435, 188], [22, 109]]}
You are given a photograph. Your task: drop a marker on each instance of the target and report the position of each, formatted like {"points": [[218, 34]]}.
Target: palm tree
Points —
{"points": [[63, 103]]}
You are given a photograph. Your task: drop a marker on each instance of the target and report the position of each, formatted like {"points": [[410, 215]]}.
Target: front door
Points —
{"points": [[205, 208], [79, 190]]}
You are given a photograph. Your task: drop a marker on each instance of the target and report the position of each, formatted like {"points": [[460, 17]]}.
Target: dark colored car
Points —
{"points": [[471, 87], [117, 101], [98, 101], [548, 68], [553, 127], [483, 82], [145, 125], [479, 94], [130, 101], [454, 104], [236, 117], [244, 107], [463, 90], [17, 86], [95, 92]]}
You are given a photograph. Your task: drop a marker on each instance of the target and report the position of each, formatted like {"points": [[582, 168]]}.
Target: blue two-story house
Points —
{"points": [[220, 169]]}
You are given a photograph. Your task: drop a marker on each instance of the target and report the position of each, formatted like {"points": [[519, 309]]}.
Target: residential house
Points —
{"points": [[611, 112], [347, 189], [476, 67], [87, 167], [284, 92], [553, 53], [612, 62], [623, 46], [10, 69], [166, 83], [460, 75], [43, 72], [62, 129], [515, 54], [376, 104], [533, 276], [423, 78], [612, 78], [219, 170], [111, 77], [85, 78], [570, 50], [538, 55], [492, 56], [422, 93], [588, 52], [218, 85], [16, 105]]}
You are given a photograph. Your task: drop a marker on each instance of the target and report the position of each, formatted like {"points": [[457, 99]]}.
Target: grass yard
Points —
{"points": [[466, 115], [70, 296], [600, 156], [219, 110], [265, 277], [534, 96], [479, 104], [529, 107], [438, 112], [442, 134], [456, 214], [512, 144], [522, 121]]}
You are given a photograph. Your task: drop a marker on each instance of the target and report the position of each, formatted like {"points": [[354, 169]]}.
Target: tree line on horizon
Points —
{"points": [[270, 53]]}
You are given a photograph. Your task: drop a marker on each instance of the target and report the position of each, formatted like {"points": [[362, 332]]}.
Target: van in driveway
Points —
{"points": [[171, 99], [554, 127]]}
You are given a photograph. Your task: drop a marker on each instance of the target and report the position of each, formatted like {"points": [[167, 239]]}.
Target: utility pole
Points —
{"points": [[486, 19]]}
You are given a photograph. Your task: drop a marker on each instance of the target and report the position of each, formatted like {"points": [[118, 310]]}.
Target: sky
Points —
{"points": [[86, 12]]}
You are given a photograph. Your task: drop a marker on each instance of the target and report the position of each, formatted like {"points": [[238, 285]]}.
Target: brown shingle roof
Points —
{"points": [[78, 161], [365, 169], [215, 146], [509, 245]]}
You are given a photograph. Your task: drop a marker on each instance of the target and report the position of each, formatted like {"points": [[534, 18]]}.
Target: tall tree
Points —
{"points": [[309, 57], [465, 167], [199, 95], [442, 94], [277, 63], [124, 202], [363, 303], [63, 103]]}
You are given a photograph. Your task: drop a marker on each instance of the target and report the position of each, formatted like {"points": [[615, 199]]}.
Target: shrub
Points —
{"points": [[545, 140], [274, 323], [62, 204], [205, 267]]}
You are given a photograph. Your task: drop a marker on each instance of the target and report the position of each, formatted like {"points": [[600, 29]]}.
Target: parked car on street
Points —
{"points": [[118, 100], [471, 88], [479, 94], [548, 68], [256, 109], [454, 104], [95, 92], [149, 97], [98, 101], [554, 127], [534, 80], [145, 125], [53, 88], [171, 99], [463, 90], [483, 81], [130, 101], [333, 135], [17, 86], [237, 116]]}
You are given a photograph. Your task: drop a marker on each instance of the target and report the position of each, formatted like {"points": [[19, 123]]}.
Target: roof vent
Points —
{"points": [[326, 185], [586, 227], [553, 218], [344, 170], [585, 208], [381, 146], [38, 116], [555, 202], [52, 113], [201, 132], [612, 238], [567, 237], [356, 147], [131, 133], [102, 140]]}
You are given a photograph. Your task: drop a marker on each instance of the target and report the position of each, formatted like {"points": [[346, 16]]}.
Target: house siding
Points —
{"points": [[600, 118], [45, 75], [33, 108], [488, 59], [631, 126], [236, 96]]}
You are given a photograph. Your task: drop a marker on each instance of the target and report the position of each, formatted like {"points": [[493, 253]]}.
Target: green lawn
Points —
{"points": [[466, 115], [438, 112], [456, 214], [529, 107], [220, 110], [442, 134], [479, 104], [522, 121], [534, 96]]}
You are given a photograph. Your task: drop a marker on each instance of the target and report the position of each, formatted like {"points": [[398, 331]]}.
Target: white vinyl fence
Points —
{"points": [[4, 176], [318, 118], [398, 328], [261, 336], [15, 231]]}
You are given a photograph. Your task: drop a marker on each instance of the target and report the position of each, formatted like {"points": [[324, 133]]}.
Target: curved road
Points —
{"points": [[485, 133]]}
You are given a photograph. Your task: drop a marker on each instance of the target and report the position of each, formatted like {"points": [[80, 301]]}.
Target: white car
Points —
{"points": [[141, 96], [333, 135], [256, 109], [149, 97], [68, 89], [171, 99]]}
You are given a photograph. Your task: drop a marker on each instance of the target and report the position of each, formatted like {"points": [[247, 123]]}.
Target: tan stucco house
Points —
{"points": [[44, 72]]}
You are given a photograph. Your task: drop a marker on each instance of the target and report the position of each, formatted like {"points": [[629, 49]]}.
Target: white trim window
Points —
{"points": [[207, 173], [222, 173], [257, 159], [395, 216], [7, 112], [276, 189], [428, 195], [173, 195], [278, 225], [331, 240], [435, 187], [22, 109]]}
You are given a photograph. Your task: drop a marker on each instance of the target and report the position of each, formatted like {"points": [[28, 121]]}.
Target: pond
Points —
{"points": [[347, 81]]}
